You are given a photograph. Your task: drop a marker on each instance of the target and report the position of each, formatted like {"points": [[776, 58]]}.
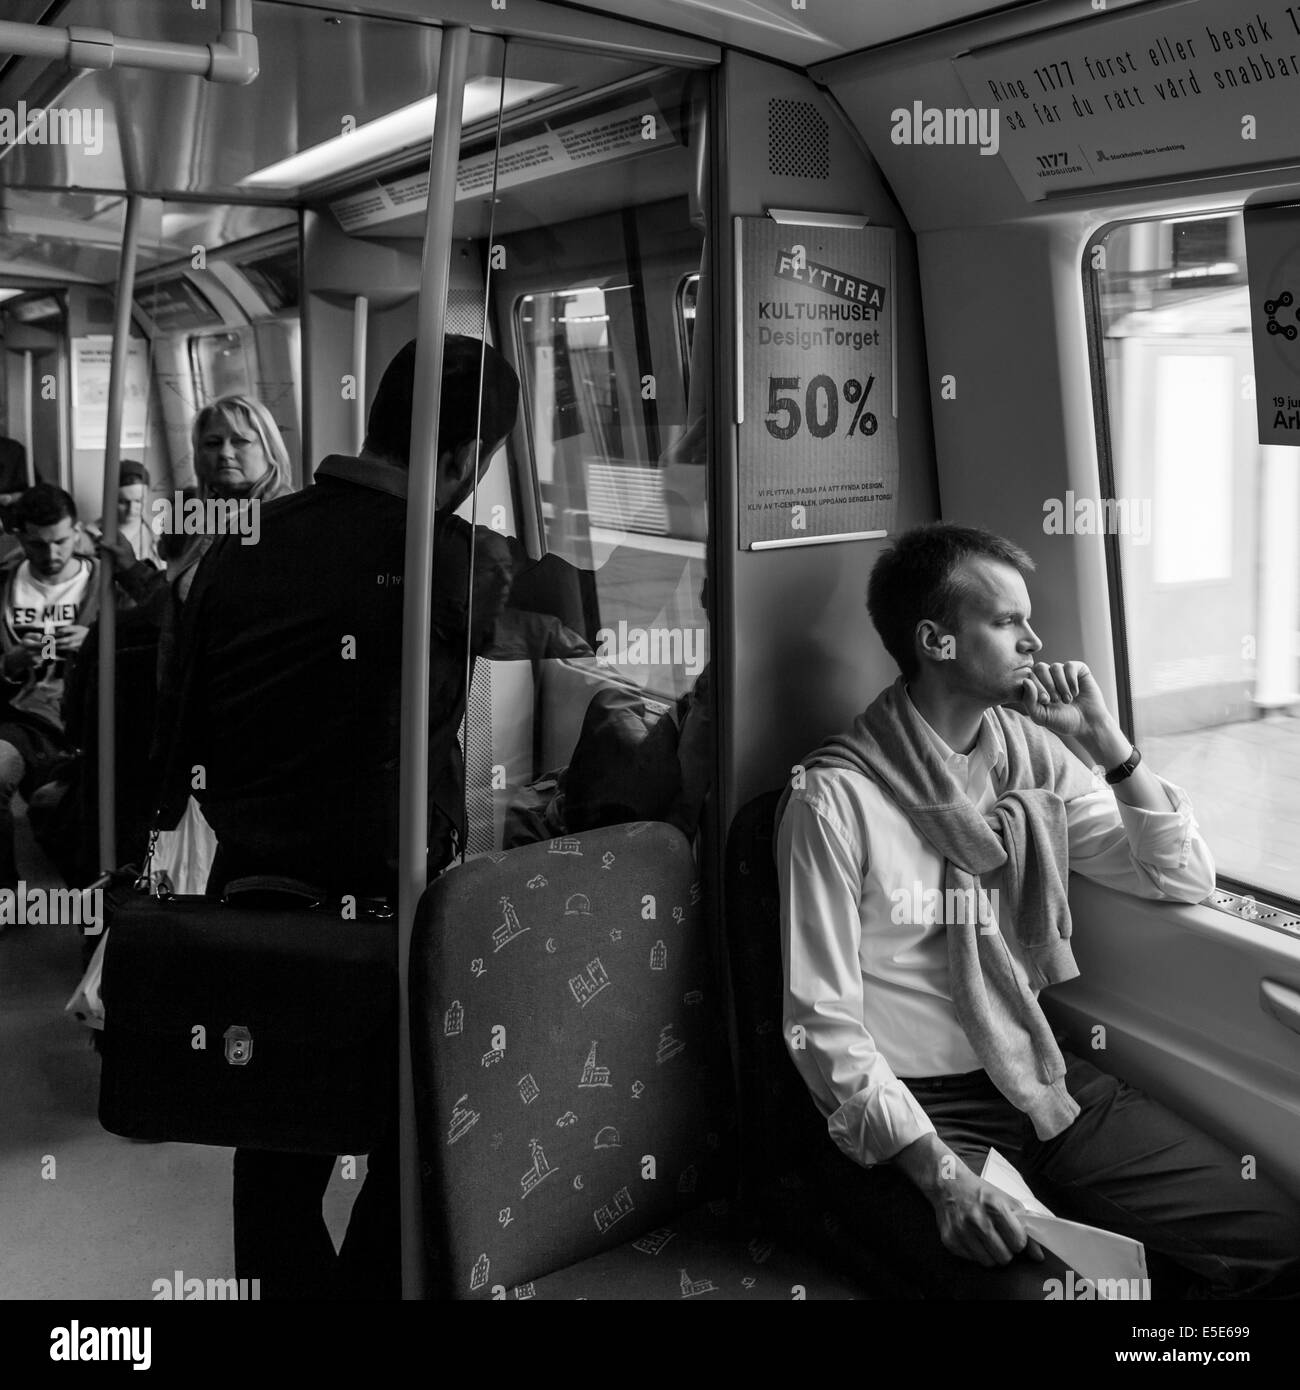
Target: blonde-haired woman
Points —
{"points": [[238, 453]]}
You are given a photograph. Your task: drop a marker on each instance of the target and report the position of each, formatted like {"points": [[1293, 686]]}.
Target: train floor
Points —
{"points": [[88, 1215]]}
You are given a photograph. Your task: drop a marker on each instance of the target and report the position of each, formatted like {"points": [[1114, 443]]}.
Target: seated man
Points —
{"points": [[919, 1032], [49, 596]]}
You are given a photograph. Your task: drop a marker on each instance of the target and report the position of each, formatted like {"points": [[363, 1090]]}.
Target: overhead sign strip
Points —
{"points": [[1140, 96]]}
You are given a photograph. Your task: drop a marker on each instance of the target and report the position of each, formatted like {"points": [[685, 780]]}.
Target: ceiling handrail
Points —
{"points": [[232, 58]]}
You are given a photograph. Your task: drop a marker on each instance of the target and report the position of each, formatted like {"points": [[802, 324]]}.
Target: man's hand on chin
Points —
{"points": [[1063, 696]]}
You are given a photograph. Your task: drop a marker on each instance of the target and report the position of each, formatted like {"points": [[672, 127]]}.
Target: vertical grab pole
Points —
{"points": [[417, 608], [360, 323], [107, 611]]}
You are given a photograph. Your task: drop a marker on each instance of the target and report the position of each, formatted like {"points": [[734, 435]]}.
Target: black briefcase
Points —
{"points": [[249, 1023]]}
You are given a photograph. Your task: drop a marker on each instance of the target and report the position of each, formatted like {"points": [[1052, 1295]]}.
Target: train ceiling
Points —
{"points": [[820, 30]]}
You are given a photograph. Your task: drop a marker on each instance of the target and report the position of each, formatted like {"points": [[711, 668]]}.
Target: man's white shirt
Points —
{"points": [[867, 976]]}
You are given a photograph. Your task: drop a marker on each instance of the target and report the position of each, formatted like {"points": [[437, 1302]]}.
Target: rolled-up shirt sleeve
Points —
{"points": [[871, 1114], [1152, 854]]}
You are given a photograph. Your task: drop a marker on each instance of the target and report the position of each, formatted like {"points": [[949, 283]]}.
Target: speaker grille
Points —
{"points": [[798, 140], [465, 313]]}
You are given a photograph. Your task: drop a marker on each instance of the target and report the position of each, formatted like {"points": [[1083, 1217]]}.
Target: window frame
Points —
{"points": [[1273, 900]]}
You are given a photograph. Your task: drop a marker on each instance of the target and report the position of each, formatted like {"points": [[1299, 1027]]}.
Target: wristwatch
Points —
{"points": [[1126, 768]]}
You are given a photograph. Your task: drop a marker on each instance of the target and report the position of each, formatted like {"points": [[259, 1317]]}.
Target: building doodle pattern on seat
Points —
{"points": [[570, 1080]]}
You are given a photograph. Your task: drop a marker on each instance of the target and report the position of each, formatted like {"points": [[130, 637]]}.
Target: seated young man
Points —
{"points": [[918, 1031], [49, 596]]}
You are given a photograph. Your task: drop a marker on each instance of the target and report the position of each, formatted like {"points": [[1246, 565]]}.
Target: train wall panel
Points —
{"points": [[803, 659]]}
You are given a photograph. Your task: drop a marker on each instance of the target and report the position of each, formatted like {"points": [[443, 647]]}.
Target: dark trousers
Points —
{"points": [[280, 1232], [281, 1237], [1126, 1164]]}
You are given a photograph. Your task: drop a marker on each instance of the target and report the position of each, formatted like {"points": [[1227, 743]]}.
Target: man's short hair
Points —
{"points": [[916, 579], [132, 471], [388, 426], [44, 505]]}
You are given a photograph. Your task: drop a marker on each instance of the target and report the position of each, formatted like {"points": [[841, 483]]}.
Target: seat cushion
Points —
{"points": [[707, 1255], [570, 1062]]}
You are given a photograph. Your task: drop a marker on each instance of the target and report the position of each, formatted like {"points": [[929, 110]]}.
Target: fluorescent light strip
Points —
{"points": [[408, 126]]}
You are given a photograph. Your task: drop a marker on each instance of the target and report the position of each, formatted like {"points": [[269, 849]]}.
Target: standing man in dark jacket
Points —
{"points": [[287, 689]]}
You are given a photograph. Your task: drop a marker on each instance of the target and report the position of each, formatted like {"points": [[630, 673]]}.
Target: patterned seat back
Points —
{"points": [[782, 1128], [571, 1070]]}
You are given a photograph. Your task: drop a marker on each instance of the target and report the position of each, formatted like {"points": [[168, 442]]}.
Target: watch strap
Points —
{"points": [[1126, 768]]}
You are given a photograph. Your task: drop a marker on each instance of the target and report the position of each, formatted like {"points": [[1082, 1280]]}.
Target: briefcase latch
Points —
{"points": [[239, 1045]]}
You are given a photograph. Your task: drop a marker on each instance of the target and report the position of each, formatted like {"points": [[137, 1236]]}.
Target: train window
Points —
{"points": [[611, 497], [565, 340], [221, 366], [1207, 524], [574, 269]]}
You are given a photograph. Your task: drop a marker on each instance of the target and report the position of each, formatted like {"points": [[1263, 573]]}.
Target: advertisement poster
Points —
{"points": [[817, 408], [1273, 259], [1152, 94], [91, 364]]}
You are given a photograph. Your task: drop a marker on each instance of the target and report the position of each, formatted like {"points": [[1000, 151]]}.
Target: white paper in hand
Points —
{"points": [[1101, 1256]]}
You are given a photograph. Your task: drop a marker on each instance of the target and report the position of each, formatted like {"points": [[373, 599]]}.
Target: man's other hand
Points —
{"points": [[980, 1222], [977, 1221], [70, 639]]}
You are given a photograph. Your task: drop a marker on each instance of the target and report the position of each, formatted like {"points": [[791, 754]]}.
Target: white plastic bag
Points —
{"points": [[183, 857], [86, 1003]]}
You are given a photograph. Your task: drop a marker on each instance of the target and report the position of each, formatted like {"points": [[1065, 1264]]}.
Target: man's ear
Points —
{"points": [[456, 473], [932, 642], [466, 456]]}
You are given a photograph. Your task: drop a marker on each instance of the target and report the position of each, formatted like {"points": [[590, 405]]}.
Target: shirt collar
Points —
{"points": [[371, 473], [990, 744]]}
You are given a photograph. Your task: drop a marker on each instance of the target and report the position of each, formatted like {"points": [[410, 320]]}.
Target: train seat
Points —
{"points": [[572, 1081], [781, 1128]]}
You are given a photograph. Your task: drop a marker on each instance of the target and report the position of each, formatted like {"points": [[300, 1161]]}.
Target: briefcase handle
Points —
{"points": [[272, 890], [280, 891]]}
